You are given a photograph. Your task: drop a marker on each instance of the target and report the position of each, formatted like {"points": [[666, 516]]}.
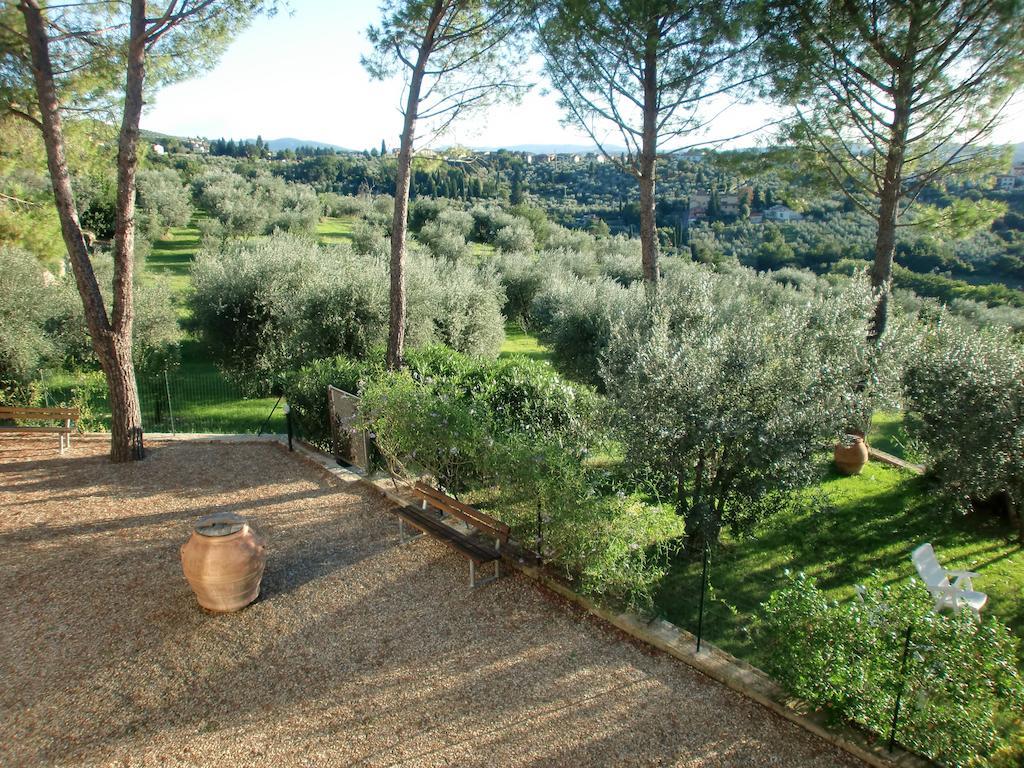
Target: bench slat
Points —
{"points": [[438, 530], [462, 511], [63, 430], [12, 412]]}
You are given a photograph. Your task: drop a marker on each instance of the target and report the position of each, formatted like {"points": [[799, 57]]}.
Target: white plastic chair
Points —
{"points": [[959, 594]]}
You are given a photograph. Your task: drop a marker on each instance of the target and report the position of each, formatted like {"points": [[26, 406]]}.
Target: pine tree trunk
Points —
{"points": [[125, 412], [648, 167], [403, 173], [888, 207], [111, 340]]}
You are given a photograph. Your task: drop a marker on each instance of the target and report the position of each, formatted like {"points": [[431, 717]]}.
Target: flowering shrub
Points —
{"points": [[510, 435], [963, 694]]}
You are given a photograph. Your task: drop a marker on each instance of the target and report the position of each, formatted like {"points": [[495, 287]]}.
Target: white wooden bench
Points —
{"points": [[66, 416]]}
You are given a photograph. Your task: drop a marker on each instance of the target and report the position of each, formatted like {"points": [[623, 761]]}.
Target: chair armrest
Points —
{"points": [[963, 579], [963, 574]]}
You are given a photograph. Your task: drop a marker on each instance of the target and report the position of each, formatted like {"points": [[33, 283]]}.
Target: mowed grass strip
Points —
{"points": [[333, 230], [519, 342]]}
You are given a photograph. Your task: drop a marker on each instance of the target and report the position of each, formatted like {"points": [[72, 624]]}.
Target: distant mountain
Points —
{"points": [[276, 145], [1018, 153]]}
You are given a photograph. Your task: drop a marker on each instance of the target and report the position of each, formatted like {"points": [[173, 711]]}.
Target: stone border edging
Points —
{"points": [[734, 673]]}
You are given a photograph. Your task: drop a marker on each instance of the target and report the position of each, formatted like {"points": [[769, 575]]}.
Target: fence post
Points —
{"points": [[170, 408], [288, 422], [899, 691], [703, 589]]}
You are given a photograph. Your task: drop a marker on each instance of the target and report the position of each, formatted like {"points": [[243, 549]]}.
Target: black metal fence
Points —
{"points": [[183, 400]]}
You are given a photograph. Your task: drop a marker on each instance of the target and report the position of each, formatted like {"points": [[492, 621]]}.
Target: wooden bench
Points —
{"points": [[429, 517], [64, 415]]}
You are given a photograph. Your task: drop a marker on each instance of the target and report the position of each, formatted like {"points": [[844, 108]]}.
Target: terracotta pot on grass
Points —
{"points": [[223, 562], [851, 454]]}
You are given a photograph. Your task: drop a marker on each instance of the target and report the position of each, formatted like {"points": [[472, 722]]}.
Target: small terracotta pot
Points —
{"points": [[223, 562], [851, 456]]}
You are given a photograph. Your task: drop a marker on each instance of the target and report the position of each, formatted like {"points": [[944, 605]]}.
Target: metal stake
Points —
{"points": [[540, 536], [899, 692], [270, 415], [703, 589], [170, 408]]}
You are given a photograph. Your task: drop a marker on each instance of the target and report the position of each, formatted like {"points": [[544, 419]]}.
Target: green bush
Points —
{"points": [[306, 393], [528, 397], [614, 547], [419, 430], [963, 694], [965, 394], [439, 421]]}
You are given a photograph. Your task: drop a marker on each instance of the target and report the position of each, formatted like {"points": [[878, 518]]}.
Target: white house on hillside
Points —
{"points": [[1006, 181], [781, 213]]}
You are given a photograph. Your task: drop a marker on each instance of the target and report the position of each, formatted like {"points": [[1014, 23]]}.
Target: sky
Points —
{"points": [[298, 75]]}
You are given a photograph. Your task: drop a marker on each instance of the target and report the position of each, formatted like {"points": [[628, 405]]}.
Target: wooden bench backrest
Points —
{"points": [[464, 512], [37, 414]]}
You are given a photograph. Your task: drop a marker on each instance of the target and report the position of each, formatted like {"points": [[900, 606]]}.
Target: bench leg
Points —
{"points": [[402, 538], [473, 583]]}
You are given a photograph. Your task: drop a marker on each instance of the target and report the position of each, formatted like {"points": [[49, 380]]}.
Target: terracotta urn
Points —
{"points": [[851, 455], [223, 562]]}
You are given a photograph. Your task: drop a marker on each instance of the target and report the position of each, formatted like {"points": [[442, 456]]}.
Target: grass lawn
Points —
{"points": [[172, 257], [520, 342], [862, 531], [335, 230]]}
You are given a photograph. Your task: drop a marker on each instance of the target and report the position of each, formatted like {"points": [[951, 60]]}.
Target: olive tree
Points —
{"points": [[163, 202], [27, 299], [965, 402], [727, 390]]}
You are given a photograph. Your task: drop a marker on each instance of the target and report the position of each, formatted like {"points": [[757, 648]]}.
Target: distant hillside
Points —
{"points": [[1018, 153], [554, 149]]}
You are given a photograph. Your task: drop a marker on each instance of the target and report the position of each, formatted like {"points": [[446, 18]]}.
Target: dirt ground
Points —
{"points": [[358, 652]]}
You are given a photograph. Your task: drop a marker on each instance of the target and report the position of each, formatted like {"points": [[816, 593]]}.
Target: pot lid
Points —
{"points": [[220, 524]]}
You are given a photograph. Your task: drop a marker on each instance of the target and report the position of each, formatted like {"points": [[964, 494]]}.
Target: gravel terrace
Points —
{"points": [[358, 652]]}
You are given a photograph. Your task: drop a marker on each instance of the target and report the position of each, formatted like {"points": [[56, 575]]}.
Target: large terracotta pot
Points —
{"points": [[223, 562], [851, 455]]}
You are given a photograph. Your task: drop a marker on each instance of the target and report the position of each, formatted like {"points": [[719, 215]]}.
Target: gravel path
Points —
{"points": [[358, 652]]}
